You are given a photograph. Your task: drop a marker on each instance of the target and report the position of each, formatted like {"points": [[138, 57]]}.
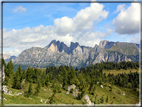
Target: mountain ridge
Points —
{"points": [[57, 53]]}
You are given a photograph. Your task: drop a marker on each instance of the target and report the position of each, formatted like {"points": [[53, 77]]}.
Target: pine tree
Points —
{"points": [[29, 74], [10, 69], [37, 88], [3, 62], [30, 90], [64, 73], [43, 79], [47, 80], [17, 80]]}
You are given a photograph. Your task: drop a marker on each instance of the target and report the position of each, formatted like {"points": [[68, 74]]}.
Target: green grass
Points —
{"points": [[115, 72], [115, 96]]}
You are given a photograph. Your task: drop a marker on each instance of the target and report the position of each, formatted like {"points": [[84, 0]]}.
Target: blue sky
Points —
{"points": [[36, 24]]}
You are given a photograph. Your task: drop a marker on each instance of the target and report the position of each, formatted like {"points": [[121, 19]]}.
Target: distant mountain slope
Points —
{"points": [[125, 48], [8, 57], [57, 53]]}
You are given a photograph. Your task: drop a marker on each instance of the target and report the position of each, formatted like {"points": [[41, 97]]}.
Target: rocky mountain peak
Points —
{"points": [[73, 45], [106, 44]]}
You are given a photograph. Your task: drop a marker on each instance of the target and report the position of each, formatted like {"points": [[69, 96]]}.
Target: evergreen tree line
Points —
{"points": [[117, 66]]}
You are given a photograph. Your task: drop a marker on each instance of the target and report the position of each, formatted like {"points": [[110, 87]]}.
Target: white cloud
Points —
{"points": [[65, 29], [86, 17], [36, 37], [83, 20], [120, 8], [19, 9], [127, 21], [64, 25]]}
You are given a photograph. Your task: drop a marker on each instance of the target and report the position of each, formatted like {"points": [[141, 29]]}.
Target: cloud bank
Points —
{"points": [[127, 21]]}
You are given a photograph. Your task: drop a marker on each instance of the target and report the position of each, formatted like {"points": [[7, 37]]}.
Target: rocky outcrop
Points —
{"points": [[87, 99], [106, 44], [70, 87], [75, 92], [9, 92]]}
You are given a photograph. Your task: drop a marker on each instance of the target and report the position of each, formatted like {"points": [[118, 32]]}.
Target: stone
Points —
{"points": [[5, 99], [67, 92], [98, 82], [87, 99], [71, 87], [123, 93], [75, 92], [41, 100]]}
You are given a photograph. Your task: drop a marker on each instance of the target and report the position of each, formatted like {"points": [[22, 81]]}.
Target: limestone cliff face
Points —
{"points": [[57, 53], [106, 44]]}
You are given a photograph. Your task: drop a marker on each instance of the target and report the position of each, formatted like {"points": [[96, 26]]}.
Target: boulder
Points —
{"points": [[71, 87], [67, 92], [101, 86], [87, 99], [123, 93], [75, 92], [5, 99]]}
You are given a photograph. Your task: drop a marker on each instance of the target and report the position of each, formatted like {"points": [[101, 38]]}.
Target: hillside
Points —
{"points": [[102, 83]]}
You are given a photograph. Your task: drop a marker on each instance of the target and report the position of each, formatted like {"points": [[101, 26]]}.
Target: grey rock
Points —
{"points": [[87, 99]]}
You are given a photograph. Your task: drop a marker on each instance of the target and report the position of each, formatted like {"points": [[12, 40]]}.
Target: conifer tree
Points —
{"points": [[17, 78], [37, 88], [10, 69], [64, 71], [29, 74], [30, 90], [47, 80], [3, 63]]}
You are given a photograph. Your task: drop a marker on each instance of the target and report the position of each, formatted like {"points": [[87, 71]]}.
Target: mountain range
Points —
{"points": [[57, 53]]}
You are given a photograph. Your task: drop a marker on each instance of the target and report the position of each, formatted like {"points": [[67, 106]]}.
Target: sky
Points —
{"points": [[27, 25]]}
